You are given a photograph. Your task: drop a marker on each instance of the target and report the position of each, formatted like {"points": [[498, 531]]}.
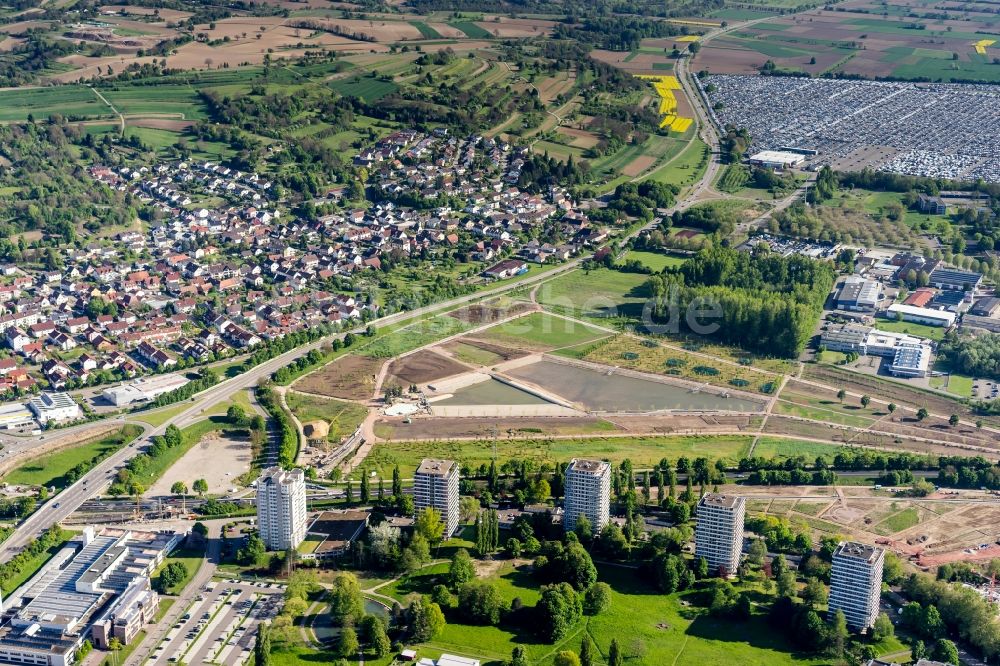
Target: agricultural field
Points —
{"points": [[887, 42], [642, 451]]}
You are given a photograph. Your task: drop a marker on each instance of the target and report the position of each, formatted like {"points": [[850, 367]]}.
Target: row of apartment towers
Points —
{"points": [[856, 576]]}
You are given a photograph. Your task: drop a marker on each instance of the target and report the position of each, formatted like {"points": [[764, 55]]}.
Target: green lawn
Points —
{"points": [[919, 330], [191, 558], [686, 168], [642, 451], [829, 415], [655, 261], [51, 469], [541, 330], [952, 383]]}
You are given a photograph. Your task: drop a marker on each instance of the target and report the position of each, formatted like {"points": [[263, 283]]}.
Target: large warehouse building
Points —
{"points": [[96, 588]]}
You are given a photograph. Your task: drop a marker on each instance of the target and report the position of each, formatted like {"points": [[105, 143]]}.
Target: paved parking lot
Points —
{"points": [[924, 129], [220, 625]]}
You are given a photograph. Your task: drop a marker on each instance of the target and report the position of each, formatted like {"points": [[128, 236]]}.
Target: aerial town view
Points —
{"points": [[500, 332]]}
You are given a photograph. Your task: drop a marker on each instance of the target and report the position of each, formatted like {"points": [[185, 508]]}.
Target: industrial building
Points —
{"points": [[922, 315], [910, 360], [856, 583], [435, 486], [857, 294], [281, 507], [54, 407], [718, 533], [988, 306], [96, 587], [943, 277], [143, 389], [777, 159], [587, 493]]}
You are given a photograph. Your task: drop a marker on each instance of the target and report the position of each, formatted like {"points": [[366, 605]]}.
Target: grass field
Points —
{"points": [[367, 88], [642, 451], [655, 261], [51, 469], [898, 522], [686, 168], [541, 330], [411, 337], [597, 293], [342, 417], [471, 29], [775, 447], [426, 31]]}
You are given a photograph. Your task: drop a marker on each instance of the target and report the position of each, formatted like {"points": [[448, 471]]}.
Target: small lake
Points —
{"points": [[491, 392], [600, 391]]}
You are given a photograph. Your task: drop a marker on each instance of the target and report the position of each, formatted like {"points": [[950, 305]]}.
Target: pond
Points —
{"points": [[326, 632], [612, 392]]}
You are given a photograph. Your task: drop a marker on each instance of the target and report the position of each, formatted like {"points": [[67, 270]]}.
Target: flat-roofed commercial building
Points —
{"points": [[588, 493], [281, 507], [856, 582], [719, 531], [435, 486], [911, 360], [777, 159], [859, 295], [96, 579], [922, 315], [143, 389], [15, 416], [943, 277], [54, 407]]}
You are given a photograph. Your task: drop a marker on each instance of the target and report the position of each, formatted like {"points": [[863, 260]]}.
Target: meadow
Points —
{"points": [[541, 330], [642, 451], [50, 470]]}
